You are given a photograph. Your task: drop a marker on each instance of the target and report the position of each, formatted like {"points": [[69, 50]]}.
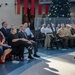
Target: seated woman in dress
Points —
{"points": [[19, 43], [6, 49]]}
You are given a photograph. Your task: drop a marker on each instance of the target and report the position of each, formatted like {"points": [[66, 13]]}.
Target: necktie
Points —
{"points": [[25, 35], [6, 30]]}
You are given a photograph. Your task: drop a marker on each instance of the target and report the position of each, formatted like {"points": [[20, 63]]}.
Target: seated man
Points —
{"points": [[49, 36], [69, 35], [58, 26], [62, 34], [43, 29], [28, 32], [5, 30], [22, 34]]}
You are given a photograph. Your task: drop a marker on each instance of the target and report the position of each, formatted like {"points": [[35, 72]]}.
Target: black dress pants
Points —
{"points": [[34, 44], [20, 46], [65, 41]]}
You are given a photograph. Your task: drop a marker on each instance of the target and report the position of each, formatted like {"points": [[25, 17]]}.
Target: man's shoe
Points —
{"points": [[35, 55], [30, 57], [22, 59]]}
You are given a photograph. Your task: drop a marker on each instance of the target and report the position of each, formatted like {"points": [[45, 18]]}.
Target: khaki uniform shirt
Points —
{"points": [[62, 32], [68, 32]]}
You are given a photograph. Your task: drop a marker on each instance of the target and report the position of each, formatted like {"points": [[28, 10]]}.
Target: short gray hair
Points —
{"points": [[13, 28]]}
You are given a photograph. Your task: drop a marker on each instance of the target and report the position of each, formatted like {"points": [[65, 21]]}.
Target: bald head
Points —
{"points": [[68, 26]]}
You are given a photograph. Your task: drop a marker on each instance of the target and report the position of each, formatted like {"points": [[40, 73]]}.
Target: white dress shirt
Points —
{"points": [[28, 32], [43, 30], [48, 30]]}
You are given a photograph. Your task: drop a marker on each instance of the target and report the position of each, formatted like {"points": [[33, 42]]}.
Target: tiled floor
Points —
{"points": [[21, 67], [60, 65]]}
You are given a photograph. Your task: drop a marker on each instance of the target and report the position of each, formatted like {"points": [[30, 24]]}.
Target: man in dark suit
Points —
{"points": [[4, 30], [22, 34], [54, 29]]}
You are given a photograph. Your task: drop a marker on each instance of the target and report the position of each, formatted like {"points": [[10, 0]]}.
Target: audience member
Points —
{"points": [[48, 29], [19, 43], [54, 29], [43, 29], [73, 29], [58, 26], [62, 34], [22, 34], [69, 35], [5, 30], [49, 36], [6, 48], [28, 32]]}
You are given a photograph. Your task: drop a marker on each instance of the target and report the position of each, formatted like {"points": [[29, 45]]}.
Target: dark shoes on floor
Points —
{"points": [[35, 55], [21, 57], [30, 57]]}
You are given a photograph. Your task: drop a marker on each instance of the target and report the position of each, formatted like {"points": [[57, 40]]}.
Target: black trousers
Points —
{"points": [[65, 41], [35, 46], [19, 45]]}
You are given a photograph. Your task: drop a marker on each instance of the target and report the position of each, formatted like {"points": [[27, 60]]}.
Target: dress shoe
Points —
{"points": [[30, 57], [35, 55], [21, 58]]}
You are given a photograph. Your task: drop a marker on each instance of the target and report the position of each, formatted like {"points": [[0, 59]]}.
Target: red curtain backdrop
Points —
{"points": [[39, 8], [25, 6], [46, 9], [18, 6], [32, 7]]}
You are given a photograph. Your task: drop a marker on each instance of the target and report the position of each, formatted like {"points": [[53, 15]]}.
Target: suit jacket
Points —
{"points": [[54, 32], [22, 35], [5, 32]]}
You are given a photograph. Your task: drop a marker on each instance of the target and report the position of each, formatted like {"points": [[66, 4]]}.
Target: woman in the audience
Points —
{"points": [[6, 49], [19, 43]]}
